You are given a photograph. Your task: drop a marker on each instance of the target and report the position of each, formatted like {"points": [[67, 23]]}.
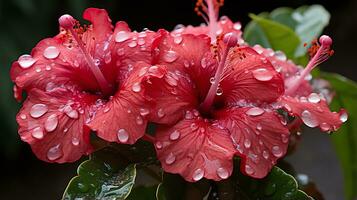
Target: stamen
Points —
{"points": [[209, 10], [319, 52], [68, 22], [231, 40]]}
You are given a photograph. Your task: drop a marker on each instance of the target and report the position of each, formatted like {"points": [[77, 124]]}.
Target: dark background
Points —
{"points": [[24, 22]]}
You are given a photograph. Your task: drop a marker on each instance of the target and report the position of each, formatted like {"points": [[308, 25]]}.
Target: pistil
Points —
{"points": [[67, 22], [321, 55], [230, 39]]}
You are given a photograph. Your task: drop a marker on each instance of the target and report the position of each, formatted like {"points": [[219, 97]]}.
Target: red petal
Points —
{"points": [[121, 119], [195, 149], [259, 137], [171, 94], [190, 54], [53, 124], [251, 78], [314, 112], [102, 26]]}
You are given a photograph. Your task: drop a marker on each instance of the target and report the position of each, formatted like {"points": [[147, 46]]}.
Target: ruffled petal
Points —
{"points": [[195, 149], [170, 94], [314, 112], [249, 76], [53, 124], [258, 135]]}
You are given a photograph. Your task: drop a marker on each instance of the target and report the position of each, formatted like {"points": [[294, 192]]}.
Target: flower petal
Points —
{"points": [[259, 137], [249, 74], [53, 124], [195, 149], [314, 112]]}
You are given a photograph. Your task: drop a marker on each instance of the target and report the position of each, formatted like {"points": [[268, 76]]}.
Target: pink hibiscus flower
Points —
{"points": [[216, 101], [84, 78]]}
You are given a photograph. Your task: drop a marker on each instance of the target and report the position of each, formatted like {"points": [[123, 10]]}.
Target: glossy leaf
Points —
{"points": [[345, 139], [279, 36], [102, 177]]}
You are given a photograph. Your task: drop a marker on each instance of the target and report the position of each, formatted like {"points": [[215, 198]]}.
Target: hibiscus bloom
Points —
{"points": [[216, 101], [86, 77]]}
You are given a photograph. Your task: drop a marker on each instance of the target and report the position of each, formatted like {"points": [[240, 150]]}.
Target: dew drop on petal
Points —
{"points": [[170, 159], [121, 36], [280, 55], [212, 80], [262, 74], [198, 174], [177, 39], [144, 111], [344, 116], [325, 126], [158, 145], [277, 152], [75, 141], [247, 143], [237, 26], [132, 44], [120, 52], [54, 153], [139, 120], [255, 111], [170, 80], [249, 170], [188, 115], [204, 62], [222, 173], [51, 123], [160, 113], [259, 127], [106, 109], [38, 110], [123, 135], [265, 154], [285, 138], [51, 52], [170, 56], [23, 116], [37, 133], [314, 98], [175, 135], [219, 91], [26, 61], [136, 87], [73, 114], [186, 63], [308, 119]]}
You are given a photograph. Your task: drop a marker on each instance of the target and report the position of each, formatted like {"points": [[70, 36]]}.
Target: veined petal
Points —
{"points": [[314, 112], [195, 149], [258, 135], [53, 124]]}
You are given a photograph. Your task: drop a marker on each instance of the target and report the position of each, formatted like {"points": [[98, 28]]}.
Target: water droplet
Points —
{"points": [[177, 39], [38, 110], [26, 61], [325, 126], [51, 123], [37, 133], [71, 113], [265, 154], [75, 141], [170, 159], [247, 143], [106, 109], [237, 26], [194, 126], [249, 170], [160, 113], [284, 138], [277, 152], [198, 174], [309, 119], [175, 135], [141, 41], [222, 173], [262, 74], [51, 52], [188, 115], [23, 116], [132, 44], [120, 51], [158, 145], [107, 58], [186, 63], [144, 111], [38, 69], [136, 87], [219, 91], [344, 116], [280, 55], [259, 128], [170, 56], [121, 36], [255, 111], [139, 120], [48, 68], [212, 80], [54, 153], [170, 80], [314, 98], [123, 135]]}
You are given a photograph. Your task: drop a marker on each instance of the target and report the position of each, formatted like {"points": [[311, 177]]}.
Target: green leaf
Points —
{"points": [[278, 36], [143, 193], [345, 139], [101, 177]]}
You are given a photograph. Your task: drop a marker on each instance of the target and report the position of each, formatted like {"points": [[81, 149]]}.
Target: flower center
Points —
{"points": [[230, 39], [209, 10], [319, 53], [67, 22]]}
